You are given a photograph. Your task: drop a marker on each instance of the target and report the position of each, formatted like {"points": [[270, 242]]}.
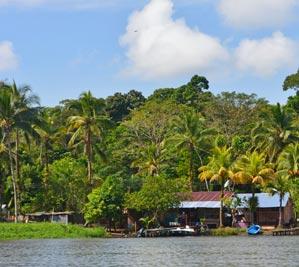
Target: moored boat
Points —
{"points": [[254, 230]]}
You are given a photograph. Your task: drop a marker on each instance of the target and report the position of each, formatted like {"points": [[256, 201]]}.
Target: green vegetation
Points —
{"points": [[47, 230], [227, 231], [102, 157]]}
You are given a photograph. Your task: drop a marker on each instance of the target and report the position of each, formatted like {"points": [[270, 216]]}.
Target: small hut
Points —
{"points": [[267, 212], [54, 217]]}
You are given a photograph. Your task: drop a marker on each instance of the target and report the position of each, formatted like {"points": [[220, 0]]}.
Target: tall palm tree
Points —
{"points": [[252, 169], [24, 100], [219, 169], [275, 134], [16, 115], [191, 135], [88, 122], [280, 186], [289, 160]]}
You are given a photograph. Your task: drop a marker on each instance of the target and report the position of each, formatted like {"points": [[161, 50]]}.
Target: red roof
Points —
{"points": [[208, 196]]}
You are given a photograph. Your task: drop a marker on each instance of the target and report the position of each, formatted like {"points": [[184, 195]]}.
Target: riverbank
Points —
{"points": [[228, 231], [17, 231]]}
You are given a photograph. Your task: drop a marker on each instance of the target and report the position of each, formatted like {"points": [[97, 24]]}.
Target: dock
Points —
{"points": [[284, 232], [173, 231]]}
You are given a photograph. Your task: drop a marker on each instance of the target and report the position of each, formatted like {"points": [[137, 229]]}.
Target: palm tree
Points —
{"points": [[289, 160], [275, 134], [218, 169], [88, 123], [16, 115], [150, 159], [191, 135], [24, 100], [252, 169], [279, 186]]}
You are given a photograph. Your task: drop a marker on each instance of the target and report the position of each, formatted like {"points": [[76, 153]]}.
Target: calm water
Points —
{"points": [[188, 251]]}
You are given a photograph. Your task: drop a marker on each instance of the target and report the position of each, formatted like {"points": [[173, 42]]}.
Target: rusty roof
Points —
{"points": [[208, 196]]}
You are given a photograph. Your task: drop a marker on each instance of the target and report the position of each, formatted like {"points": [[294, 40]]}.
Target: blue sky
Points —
{"points": [[63, 47]]}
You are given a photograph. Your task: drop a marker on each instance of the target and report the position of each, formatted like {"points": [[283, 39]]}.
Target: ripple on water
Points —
{"points": [[188, 251]]}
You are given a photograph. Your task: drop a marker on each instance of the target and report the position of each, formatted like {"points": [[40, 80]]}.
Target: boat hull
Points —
{"points": [[254, 230]]}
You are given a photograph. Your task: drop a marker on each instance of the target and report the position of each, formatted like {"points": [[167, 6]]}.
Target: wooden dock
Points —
{"points": [[283, 232]]}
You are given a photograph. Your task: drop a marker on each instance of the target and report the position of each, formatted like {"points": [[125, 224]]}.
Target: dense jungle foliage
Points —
{"points": [[101, 156]]}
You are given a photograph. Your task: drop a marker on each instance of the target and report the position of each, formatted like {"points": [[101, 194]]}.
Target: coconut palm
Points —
{"points": [[191, 135], [219, 169], [275, 134], [252, 169], [24, 100], [88, 123], [16, 114], [289, 160], [279, 186], [150, 159]]}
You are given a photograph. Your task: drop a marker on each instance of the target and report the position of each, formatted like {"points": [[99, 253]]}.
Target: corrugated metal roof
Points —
{"points": [[212, 200], [265, 200], [208, 196], [200, 204]]}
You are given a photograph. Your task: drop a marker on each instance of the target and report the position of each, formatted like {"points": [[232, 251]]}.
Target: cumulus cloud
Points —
{"points": [[256, 13], [267, 56], [159, 46], [8, 59]]}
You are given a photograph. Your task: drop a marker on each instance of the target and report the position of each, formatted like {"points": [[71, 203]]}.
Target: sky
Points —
{"points": [[64, 47]]}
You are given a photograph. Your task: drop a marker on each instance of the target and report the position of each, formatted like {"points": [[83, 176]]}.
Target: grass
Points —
{"points": [[227, 231], [47, 230]]}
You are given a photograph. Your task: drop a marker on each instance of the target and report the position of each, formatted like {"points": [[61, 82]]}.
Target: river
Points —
{"points": [[187, 251]]}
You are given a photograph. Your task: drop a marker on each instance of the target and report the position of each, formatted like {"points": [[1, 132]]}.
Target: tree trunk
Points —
{"points": [[13, 179], [89, 156], [221, 206], [191, 168], [253, 208], [207, 185], [46, 178], [280, 212], [17, 174], [46, 159], [17, 155]]}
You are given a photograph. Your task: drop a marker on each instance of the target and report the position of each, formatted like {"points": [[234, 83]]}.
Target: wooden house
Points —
{"points": [[207, 205], [267, 212], [203, 207]]}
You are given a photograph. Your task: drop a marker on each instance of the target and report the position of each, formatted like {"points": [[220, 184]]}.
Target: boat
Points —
{"points": [[254, 230], [157, 232], [187, 231]]}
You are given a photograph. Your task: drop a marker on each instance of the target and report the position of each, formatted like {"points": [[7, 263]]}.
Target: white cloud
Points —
{"points": [[8, 59], [267, 56], [257, 13], [159, 46]]}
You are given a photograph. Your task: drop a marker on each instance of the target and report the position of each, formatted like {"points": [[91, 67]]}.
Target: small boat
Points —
{"points": [[254, 230]]}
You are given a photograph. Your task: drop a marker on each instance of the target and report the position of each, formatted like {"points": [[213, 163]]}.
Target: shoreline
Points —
{"points": [[21, 231]]}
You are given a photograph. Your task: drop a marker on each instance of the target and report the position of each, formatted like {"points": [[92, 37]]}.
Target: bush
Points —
{"points": [[227, 231]]}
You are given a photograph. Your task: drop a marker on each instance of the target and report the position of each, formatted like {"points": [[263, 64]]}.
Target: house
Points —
{"points": [[203, 206], [206, 205], [55, 217], [267, 212]]}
